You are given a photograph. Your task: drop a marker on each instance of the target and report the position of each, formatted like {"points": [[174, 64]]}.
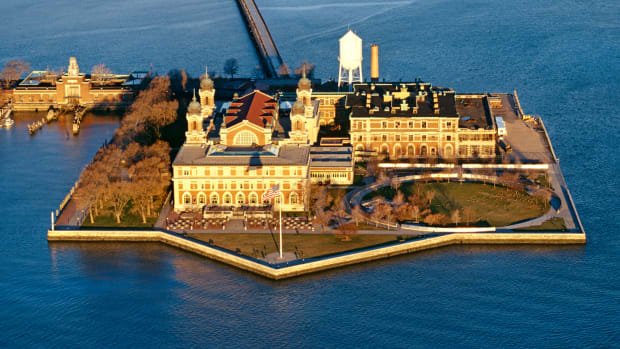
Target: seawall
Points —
{"points": [[282, 272]]}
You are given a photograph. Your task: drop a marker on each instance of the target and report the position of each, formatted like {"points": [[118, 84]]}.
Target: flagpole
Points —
{"points": [[281, 202]]}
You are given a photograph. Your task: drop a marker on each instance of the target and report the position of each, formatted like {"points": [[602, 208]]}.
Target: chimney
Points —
{"points": [[374, 62]]}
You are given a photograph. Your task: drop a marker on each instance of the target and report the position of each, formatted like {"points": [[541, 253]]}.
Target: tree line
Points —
{"points": [[134, 169]]}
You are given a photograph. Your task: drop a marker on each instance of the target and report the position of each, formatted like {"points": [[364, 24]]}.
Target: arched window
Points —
{"points": [[240, 199], [227, 199], [448, 152], [293, 198], [253, 199], [359, 147], [215, 199], [187, 198], [245, 138], [298, 125], [202, 199], [384, 149], [423, 150], [397, 151], [410, 150]]}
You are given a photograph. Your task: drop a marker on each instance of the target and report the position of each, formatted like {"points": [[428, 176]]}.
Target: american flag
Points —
{"points": [[272, 192]]}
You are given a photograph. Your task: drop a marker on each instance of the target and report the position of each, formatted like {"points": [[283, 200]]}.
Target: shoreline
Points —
{"points": [[298, 268]]}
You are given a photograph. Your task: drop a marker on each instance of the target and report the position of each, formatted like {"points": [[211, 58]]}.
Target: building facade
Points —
{"points": [[236, 168], [42, 90], [416, 120]]}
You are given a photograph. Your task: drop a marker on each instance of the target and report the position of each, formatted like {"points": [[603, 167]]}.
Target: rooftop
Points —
{"points": [[331, 156], [196, 154], [474, 112], [395, 99], [256, 107]]}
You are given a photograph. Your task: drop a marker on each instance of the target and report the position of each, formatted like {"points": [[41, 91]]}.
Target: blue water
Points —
{"points": [[563, 58]]}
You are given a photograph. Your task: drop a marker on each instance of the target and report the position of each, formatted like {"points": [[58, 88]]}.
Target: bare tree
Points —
{"points": [[469, 215], [434, 219], [415, 211], [430, 195], [99, 72], [322, 218], [357, 214], [284, 70], [398, 199], [456, 216], [395, 182], [347, 230], [231, 67], [305, 66], [120, 195], [13, 70]]}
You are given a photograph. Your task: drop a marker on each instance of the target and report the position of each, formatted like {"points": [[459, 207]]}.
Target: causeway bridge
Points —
{"points": [[259, 32]]}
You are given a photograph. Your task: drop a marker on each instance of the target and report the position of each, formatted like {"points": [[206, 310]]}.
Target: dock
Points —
{"points": [[268, 54]]}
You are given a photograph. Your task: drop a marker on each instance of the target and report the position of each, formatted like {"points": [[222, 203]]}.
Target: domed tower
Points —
{"points": [[299, 133], [304, 90], [195, 132], [207, 95]]}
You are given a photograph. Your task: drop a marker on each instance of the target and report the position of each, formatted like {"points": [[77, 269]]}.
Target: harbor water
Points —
{"points": [[562, 56]]}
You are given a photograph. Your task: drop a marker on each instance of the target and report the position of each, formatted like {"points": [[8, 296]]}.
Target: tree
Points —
{"points": [[415, 211], [284, 70], [357, 214], [99, 72], [120, 195], [430, 195], [398, 199], [141, 198], [13, 70], [395, 182], [231, 67], [469, 215], [86, 196], [434, 219], [305, 66], [456, 216], [339, 210], [322, 218], [379, 212], [347, 230]]}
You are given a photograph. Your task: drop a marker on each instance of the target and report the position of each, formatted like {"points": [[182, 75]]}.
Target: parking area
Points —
{"points": [[527, 139]]}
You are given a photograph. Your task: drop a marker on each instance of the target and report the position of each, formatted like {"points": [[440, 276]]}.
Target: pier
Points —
{"points": [[259, 32]]}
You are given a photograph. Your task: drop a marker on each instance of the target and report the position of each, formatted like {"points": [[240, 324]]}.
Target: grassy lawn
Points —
{"points": [[106, 219], [553, 224], [493, 206], [311, 245]]}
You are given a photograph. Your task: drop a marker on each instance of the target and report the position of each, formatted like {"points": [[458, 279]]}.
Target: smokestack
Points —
{"points": [[374, 62]]}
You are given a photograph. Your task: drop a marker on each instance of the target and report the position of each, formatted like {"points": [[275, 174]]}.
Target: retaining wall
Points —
{"points": [[283, 272]]}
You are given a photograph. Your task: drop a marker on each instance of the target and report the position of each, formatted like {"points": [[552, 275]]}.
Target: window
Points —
{"points": [[384, 124], [202, 199], [245, 138], [187, 199], [185, 172], [384, 137], [449, 124], [423, 124], [448, 138], [227, 199], [397, 138], [410, 124], [423, 137], [293, 199], [214, 199], [240, 199], [396, 124], [410, 137], [253, 199]]}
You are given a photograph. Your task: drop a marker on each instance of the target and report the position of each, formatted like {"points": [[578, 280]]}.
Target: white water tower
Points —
{"points": [[350, 59]]}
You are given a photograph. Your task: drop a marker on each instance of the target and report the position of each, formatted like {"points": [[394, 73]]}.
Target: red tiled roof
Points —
{"points": [[256, 107]]}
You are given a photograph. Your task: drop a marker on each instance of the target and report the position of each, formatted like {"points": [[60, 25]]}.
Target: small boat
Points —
{"points": [[8, 122]]}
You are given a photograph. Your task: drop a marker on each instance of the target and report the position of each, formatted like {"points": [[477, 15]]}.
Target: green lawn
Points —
{"points": [[493, 205], [106, 219], [310, 245], [552, 224]]}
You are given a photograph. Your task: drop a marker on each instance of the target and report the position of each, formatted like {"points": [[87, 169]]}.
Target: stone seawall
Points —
{"points": [[283, 272]]}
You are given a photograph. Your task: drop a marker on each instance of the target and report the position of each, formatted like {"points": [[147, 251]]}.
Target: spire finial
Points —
{"points": [[194, 96], [206, 72], [303, 74]]}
